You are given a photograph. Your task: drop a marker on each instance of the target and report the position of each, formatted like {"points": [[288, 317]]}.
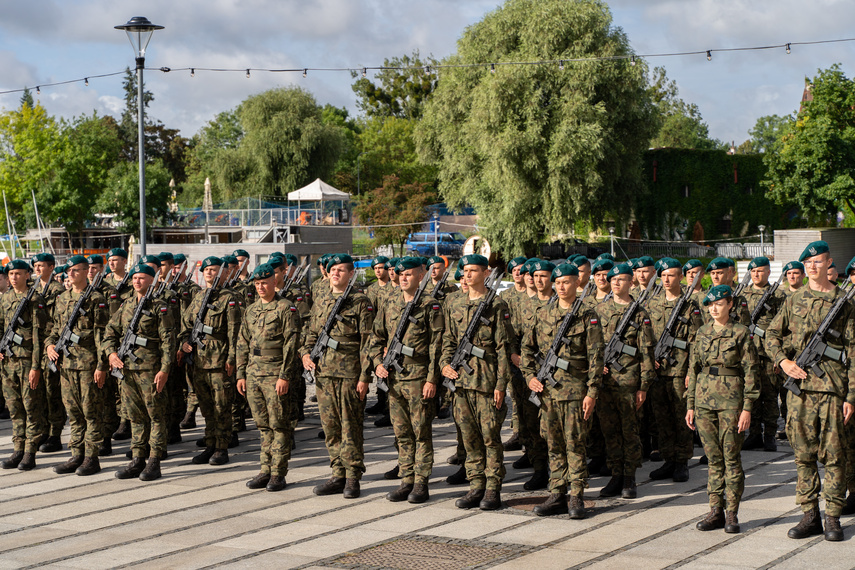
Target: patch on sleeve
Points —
{"points": [[232, 303], [41, 306], [299, 298], [369, 307], [696, 311], [646, 321], [164, 309], [595, 321], [173, 300], [101, 305], [507, 316], [293, 309], [744, 303], [113, 296], [435, 307]]}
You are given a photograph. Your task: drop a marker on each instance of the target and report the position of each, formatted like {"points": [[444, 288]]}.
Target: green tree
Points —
{"points": [[121, 196], [682, 125], [402, 87], [27, 98], [814, 166], [389, 148], [768, 131], [532, 147], [394, 203]]}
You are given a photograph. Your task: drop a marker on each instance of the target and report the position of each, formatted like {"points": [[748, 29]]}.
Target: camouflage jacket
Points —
{"points": [[185, 292], [799, 318], [443, 292], [493, 371], [31, 331], [157, 326], [268, 341], [53, 291], [740, 312], [523, 319], [723, 347], [224, 318], [319, 290], [639, 371], [659, 309], [351, 332], [423, 336], [753, 295], [86, 354], [246, 290], [584, 352], [591, 302], [296, 298], [114, 297]]}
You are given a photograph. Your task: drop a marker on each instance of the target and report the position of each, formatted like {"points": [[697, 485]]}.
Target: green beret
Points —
{"points": [[179, 258], [151, 259], [795, 265], [579, 260], [59, 269], [281, 254], [18, 264], [644, 261], [95, 260], [240, 253], [392, 263], [230, 260], [849, 268], [541, 265], [263, 271], [657, 266], [340, 258], [275, 262], [668, 263], [458, 275], [45, 258], [814, 248], [717, 293], [632, 262], [143, 268], [718, 263], [435, 259], [620, 269], [515, 262], [691, 264], [608, 256], [117, 252], [76, 260], [474, 259], [405, 263], [165, 256], [526, 267], [564, 270], [291, 259], [211, 260], [758, 262], [321, 260], [424, 261], [602, 265], [379, 260]]}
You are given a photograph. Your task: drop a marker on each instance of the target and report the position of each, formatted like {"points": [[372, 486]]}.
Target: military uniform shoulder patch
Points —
{"points": [[232, 303], [164, 309], [507, 315], [646, 321], [293, 309], [435, 307], [595, 320], [369, 307], [101, 305]]}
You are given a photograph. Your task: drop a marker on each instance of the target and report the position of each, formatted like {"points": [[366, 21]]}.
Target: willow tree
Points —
{"points": [[535, 148]]}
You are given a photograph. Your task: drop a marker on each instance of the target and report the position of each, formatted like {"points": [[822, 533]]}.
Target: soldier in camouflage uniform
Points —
{"points": [[412, 391], [644, 270], [44, 265], [667, 393], [144, 380], [185, 289], [816, 417], [82, 371], [378, 265], [459, 455], [213, 364], [690, 269], [566, 408], [722, 271], [479, 401], [436, 266], [600, 275], [320, 288], [511, 297], [266, 359], [624, 392], [766, 412], [243, 284], [723, 385], [795, 275], [23, 385]]}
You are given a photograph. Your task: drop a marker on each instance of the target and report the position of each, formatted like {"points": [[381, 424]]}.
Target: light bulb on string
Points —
{"points": [[192, 72], [632, 60], [560, 65], [247, 73], [364, 72], [788, 48], [709, 55], [86, 82], [305, 72], [38, 90], [492, 68]]}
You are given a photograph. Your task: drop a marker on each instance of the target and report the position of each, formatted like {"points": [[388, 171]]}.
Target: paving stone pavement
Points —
{"points": [[199, 516]]}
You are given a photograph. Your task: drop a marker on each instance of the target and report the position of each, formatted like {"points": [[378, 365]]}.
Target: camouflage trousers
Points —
{"points": [[297, 392], [529, 426], [619, 425], [148, 412], [563, 426], [596, 443], [765, 410], [668, 399], [215, 391], [84, 404], [816, 432], [412, 418], [112, 406], [56, 415], [722, 446], [518, 391], [27, 407], [272, 415], [342, 414], [481, 429], [175, 396]]}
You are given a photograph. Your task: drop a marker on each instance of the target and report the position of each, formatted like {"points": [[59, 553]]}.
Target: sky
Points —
{"points": [[43, 41]]}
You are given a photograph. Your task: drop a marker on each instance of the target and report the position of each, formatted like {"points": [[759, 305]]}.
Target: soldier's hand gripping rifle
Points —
{"points": [[324, 339], [762, 307], [66, 336], [739, 289], [667, 342], [617, 345], [131, 340], [200, 330], [817, 347], [397, 349], [10, 336], [169, 285], [465, 349]]}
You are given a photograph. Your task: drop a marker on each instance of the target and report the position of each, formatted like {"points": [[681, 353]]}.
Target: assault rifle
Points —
{"points": [[437, 293], [236, 276], [668, 342], [297, 277], [739, 289], [397, 349], [131, 340], [170, 284], [200, 330], [465, 348], [616, 345], [11, 336], [762, 307], [324, 339], [817, 347], [66, 336]]}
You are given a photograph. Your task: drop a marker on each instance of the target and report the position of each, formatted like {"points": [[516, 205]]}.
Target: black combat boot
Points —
{"points": [[454, 459], [665, 471], [470, 500], [333, 486], [351, 488], [522, 463], [731, 523], [189, 421], [123, 431], [810, 525], [276, 483], [555, 504], [833, 532], [132, 470], [13, 460], [259, 481], [202, 442], [220, 457], [513, 443], [69, 466], [90, 466], [540, 480], [234, 441], [613, 487], [444, 413], [681, 472], [174, 435], [630, 489], [204, 457], [28, 462], [753, 441], [849, 507], [458, 478], [714, 520], [400, 494], [384, 421], [51, 445], [595, 466], [769, 443], [152, 470], [576, 507], [393, 473], [419, 494], [106, 448], [492, 501]]}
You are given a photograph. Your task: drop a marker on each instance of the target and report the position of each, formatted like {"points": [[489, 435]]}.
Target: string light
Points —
{"points": [[492, 68], [38, 90], [709, 55], [305, 72], [560, 65], [192, 72], [247, 73], [86, 82], [632, 60], [364, 72], [788, 48]]}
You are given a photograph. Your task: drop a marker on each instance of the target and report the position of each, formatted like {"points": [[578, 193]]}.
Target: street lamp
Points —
{"points": [[612, 239], [436, 233], [139, 31], [762, 232]]}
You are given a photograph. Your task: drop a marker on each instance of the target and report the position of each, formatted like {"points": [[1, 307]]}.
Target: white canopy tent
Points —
{"points": [[318, 191]]}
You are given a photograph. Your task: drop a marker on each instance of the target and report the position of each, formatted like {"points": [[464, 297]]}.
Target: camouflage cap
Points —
{"points": [[794, 265], [338, 259], [718, 263], [644, 261], [435, 259], [379, 260], [408, 263], [291, 259], [602, 265], [692, 264], [758, 262], [814, 248], [668, 263], [44, 257], [117, 252], [263, 271], [516, 262], [717, 293], [851, 267], [166, 256], [240, 253], [95, 259], [608, 256], [542, 265], [474, 259], [76, 260], [564, 270], [211, 260], [18, 264], [143, 268], [619, 269]]}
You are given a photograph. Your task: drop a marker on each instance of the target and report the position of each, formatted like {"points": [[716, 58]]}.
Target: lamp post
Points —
{"points": [[436, 233], [206, 205], [139, 31], [612, 239], [762, 232]]}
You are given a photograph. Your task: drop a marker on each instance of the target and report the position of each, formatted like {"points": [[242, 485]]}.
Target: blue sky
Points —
{"points": [[53, 40]]}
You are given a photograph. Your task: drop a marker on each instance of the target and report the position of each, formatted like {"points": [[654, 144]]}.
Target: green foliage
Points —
{"points": [[27, 98], [535, 148], [394, 203], [389, 148], [681, 123], [815, 163], [121, 195], [768, 131], [401, 93]]}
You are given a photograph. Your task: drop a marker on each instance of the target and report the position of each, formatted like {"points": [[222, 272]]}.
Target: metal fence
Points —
{"points": [[744, 250], [262, 217], [658, 250]]}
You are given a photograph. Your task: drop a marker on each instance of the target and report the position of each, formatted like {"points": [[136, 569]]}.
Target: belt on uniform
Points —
{"points": [[219, 337], [722, 371], [408, 360], [346, 339], [267, 352]]}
